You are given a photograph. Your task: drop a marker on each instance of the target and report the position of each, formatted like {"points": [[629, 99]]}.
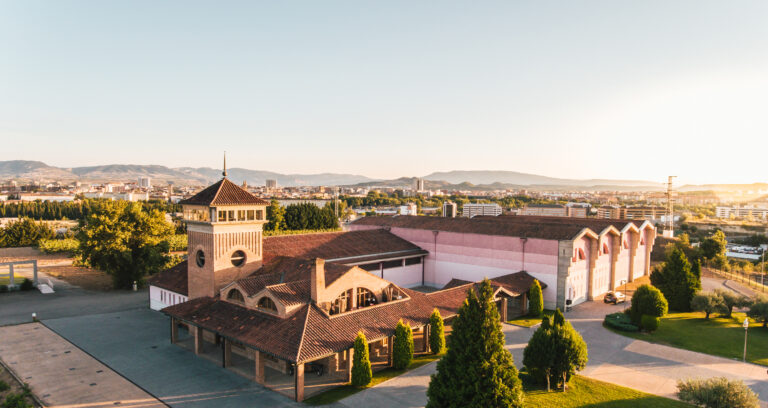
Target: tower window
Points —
{"points": [[250, 215], [238, 258], [222, 216], [200, 258]]}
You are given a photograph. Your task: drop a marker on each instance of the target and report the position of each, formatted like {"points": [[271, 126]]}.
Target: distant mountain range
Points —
{"points": [[452, 180]]}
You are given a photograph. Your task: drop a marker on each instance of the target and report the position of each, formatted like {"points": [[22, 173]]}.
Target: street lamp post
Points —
{"points": [[624, 285], [746, 326]]}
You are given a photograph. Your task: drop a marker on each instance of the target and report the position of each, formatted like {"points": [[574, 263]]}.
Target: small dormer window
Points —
{"points": [[267, 303], [235, 296]]}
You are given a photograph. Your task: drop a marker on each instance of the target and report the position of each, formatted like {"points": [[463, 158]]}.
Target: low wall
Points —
{"points": [[20, 252]]}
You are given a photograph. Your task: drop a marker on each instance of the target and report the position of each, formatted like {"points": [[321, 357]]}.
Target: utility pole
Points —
{"points": [[669, 231]]}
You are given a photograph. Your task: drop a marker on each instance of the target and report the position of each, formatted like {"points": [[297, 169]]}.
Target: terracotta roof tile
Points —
{"points": [[223, 192], [173, 279]]}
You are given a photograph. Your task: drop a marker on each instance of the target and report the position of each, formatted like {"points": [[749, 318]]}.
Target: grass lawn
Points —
{"points": [[529, 321], [586, 392], [717, 336], [4, 280], [379, 377]]}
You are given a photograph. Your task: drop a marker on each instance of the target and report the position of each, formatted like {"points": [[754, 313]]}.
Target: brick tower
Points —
{"points": [[224, 233]]}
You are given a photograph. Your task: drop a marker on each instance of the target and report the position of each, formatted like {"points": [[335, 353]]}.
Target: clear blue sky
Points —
{"points": [[583, 89]]}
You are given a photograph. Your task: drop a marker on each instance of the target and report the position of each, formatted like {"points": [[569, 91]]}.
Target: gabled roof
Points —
{"points": [[295, 273], [173, 279], [342, 247], [223, 192], [515, 283]]}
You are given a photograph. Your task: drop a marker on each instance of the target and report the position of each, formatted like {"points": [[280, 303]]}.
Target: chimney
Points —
{"points": [[317, 279]]}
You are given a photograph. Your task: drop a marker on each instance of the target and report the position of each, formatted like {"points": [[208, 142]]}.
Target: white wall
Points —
{"points": [[160, 298]]}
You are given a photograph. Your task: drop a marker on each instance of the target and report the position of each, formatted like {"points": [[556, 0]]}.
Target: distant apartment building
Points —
{"points": [[418, 185], [578, 210], [118, 196], [545, 210], [753, 212], [409, 209], [472, 210], [46, 197], [630, 213], [145, 182], [271, 184], [450, 209]]}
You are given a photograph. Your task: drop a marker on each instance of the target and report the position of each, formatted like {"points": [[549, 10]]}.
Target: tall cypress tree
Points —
{"points": [[402, 349], [436, 333], [361, 363], [535, 299], [477, 371], [677, 280]]}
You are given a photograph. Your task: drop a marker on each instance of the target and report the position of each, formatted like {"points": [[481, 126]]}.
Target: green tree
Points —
{"points": [[275, 216], [677, 281], [570, 354], [731, 300], [713, 249], [718, 392], [708, 302], [402, 349], [477, 371], [535, 299], [361, 363], [125, 241], [759, 310], [24, 232], [558, 319], [436, 333], [647, 300], [539, 354]]}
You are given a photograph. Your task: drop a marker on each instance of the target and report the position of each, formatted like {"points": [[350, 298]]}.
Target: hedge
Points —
{"points": [[53, 246], [620, 321]]}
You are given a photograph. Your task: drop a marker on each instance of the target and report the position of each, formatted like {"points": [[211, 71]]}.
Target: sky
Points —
{"points": [[576, 89]]}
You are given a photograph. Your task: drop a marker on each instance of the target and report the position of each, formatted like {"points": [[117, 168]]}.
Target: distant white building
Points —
{"points": [[271, 184], [409, 209], [145, 182], [473, 210], [449, 209], [46, 197], [742, 212], [419, 184], [118, 196]]}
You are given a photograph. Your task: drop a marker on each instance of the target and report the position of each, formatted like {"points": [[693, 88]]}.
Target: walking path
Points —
{"points": [[613, 358], [62, 375]]}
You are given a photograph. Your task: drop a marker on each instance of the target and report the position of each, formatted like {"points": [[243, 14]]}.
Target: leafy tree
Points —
{"points": [[275, 216], [677, 281], [713, 249], [759, 310], [535, 299], [24, 232], [361, 363], [708, 303], [125, 241], [647, 300], [570, 354], [402, 349], [436, 333], [539, 354], [731, 300], [717, 393], [477, 371]]}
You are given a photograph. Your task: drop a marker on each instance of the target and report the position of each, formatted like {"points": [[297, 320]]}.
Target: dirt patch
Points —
{"points": [[15, 387], [630, 287], [86, 278]]}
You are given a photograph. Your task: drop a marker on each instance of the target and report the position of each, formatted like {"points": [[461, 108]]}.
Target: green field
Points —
{"points": [[586, 392], [528, 321], [717, 336]]}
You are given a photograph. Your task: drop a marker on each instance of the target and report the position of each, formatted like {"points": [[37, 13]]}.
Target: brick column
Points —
{"points": [[258, 367], [503, 309], [615, 249], [299, 376], [226, 359], [197, 333], [633, 242], [593, 248], [174, 331]]}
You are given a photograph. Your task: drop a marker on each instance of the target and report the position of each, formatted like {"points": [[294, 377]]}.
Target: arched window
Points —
{"points": [[342, 303], [365, 297], [234, 295], [578, 255], [605, 248], [267, 303], [626, 244], [642, 241]]}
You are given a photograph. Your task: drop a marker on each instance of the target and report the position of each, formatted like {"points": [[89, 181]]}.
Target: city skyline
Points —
{"points": [[597, 90]]}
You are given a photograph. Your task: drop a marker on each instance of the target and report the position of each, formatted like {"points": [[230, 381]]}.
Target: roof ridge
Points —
{"points": [[303, 332], [218, 190]]}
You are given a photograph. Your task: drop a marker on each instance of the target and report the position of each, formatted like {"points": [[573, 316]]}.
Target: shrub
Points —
{"points": [[535, 299], [731, 300], [361, 365], [15, 401], [54, 246], [402, 349], [708, 303], [647, 300], [4, 386], [650, 323], [27, 285], [716, 393], [759, 310], [3, 288], [620, 321], [436, 333], [24, 232]]}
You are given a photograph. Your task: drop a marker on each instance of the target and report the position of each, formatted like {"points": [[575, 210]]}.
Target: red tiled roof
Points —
{"points": [[287, 270], [173, 279], [554, 228], [344, 247], [517, 283], [223, 192]]}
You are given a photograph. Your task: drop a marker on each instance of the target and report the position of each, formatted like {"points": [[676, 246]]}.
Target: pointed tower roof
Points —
{"points": [[224, 192]]}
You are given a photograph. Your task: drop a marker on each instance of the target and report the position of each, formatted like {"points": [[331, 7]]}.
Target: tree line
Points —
{"points": [[70, 210]]}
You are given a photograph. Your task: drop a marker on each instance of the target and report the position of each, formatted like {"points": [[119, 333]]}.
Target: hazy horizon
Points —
{"points": [[588, 90]]}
